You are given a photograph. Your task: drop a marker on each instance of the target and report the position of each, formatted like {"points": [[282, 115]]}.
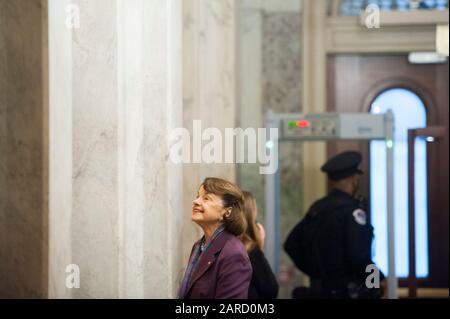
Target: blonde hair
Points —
{"points": [[251, 237], [232, 197]]}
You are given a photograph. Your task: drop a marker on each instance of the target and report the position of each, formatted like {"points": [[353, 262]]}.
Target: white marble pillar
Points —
{"points": [[209, 88], [313, 95], [115, 94]]}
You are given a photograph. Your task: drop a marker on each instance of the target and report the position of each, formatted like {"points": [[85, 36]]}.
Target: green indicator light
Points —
{"points": [[389, 143], [269, 144], [292, 124]]}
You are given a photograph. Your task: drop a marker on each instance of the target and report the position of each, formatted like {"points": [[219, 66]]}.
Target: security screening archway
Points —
{"points": [[329, 127]]}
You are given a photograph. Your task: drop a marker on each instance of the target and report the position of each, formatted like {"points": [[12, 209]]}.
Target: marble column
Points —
{"points": [[115, 94], [209, 88]]}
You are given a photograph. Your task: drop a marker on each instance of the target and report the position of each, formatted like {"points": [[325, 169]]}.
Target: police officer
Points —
{"points": [[332, 244]]}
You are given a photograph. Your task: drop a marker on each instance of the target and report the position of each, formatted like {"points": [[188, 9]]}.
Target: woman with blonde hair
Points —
{"points": [[264, 284], [219, 266]]}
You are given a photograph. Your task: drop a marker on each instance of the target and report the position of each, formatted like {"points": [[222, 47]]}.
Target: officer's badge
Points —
{"points": [[360, 216]]}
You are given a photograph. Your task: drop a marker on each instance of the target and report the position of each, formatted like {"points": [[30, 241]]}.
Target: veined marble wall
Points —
{"points": [[270, 78], [23, 214], [115, 94]]}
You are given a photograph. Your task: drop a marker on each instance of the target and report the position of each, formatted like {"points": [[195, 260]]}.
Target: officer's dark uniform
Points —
{"points": [[344, 238]]}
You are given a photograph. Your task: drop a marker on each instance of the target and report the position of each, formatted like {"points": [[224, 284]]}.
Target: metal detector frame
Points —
{"points": [[330, 127]]}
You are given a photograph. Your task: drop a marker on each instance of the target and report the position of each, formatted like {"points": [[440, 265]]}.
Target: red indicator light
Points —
{"points": [[303, 124]]}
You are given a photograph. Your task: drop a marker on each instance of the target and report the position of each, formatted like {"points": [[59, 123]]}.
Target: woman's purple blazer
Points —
{"points": [[224, 271]]}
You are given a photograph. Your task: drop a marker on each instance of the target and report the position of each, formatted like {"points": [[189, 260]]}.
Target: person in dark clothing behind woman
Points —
{"points": [[264, 284]]}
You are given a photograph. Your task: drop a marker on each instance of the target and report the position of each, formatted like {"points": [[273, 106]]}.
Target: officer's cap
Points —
{"points": [[343, 165]]}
